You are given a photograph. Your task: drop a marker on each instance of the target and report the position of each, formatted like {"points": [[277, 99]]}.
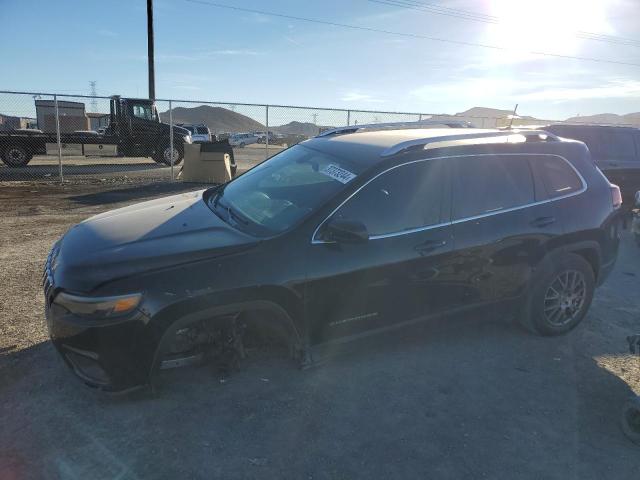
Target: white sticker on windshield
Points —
{"points": [[337, 173]]}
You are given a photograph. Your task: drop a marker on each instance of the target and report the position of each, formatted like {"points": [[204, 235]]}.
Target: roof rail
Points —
{"points": [[372, 127], [539, 134]]}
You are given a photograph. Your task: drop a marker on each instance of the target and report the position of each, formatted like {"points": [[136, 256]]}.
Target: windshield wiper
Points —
{"points": [[231, 212]]}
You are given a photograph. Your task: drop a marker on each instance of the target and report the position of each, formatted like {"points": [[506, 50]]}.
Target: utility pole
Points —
{"points": [[94, 100], [513, 115], [152, 76]]}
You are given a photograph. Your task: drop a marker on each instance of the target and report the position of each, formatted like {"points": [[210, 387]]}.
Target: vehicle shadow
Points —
{"points": [[463, 397]]}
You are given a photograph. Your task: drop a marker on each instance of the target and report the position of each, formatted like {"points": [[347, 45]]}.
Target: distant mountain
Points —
{"points": [[218, 119], [477, 114], [299, 128], [610, 118]]}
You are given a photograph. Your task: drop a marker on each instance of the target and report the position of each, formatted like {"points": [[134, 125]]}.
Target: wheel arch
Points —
{"points": [[590, 252], [278, 314]]}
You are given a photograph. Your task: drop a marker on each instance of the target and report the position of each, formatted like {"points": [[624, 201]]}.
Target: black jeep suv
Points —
{"points": [[614, 150], [358, 230]]}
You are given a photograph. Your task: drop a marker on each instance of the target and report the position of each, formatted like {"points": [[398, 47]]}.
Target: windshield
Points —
{"points": [[278, 193], [144, 111]]}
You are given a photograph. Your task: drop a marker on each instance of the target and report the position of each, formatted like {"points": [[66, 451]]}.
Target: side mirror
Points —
{"points": [[345, 231]]}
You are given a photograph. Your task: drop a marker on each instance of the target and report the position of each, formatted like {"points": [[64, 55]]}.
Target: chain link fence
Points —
{"points": [[76, 139]]}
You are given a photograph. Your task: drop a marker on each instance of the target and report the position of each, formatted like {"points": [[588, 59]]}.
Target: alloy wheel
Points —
{"points": [[565, 298]]}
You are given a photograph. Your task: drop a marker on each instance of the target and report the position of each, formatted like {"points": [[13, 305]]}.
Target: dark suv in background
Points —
{"points": [[356, 231], [615, 150]]}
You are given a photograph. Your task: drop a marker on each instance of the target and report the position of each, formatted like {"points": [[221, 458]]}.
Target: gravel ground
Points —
{"points": [[475, 398]]}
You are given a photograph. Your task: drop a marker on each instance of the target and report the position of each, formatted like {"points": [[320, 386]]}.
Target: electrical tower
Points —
{"points": [[94, 100], [315, 118]]}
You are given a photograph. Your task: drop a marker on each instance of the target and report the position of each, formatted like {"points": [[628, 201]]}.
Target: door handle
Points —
{"points": [[541, 222], [430, 245]]}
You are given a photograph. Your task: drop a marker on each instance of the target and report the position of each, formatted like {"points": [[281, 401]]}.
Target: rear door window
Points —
{"points": [[557, 176], [400, 200], [487, 184]]}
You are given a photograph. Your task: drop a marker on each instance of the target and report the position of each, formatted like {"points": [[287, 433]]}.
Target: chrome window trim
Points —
{"points": [[315, 241]]}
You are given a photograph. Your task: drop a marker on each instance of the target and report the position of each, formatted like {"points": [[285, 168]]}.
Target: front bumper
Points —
{"points": [[112, 357]]}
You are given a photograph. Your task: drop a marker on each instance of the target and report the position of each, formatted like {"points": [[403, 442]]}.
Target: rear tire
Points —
{"points": [[16, 156], [164, 155], [561, 294]]}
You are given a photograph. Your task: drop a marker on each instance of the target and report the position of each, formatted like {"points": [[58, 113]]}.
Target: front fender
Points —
{"points": [[167, 321]]}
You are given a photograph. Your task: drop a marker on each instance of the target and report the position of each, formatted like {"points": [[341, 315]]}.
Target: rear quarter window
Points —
{"points": [[556, 175]]}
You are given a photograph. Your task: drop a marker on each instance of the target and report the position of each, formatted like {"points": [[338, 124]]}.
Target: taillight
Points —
{"points": [[616, 196]]}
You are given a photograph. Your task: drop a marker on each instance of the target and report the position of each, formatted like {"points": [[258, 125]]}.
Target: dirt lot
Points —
{"points": [[466, 398]]}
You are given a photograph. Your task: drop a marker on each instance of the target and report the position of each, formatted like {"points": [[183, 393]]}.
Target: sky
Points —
{"points": [[208, 53]]}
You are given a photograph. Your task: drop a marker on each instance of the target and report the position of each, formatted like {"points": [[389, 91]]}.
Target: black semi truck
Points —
{"points": [[134, 130]]}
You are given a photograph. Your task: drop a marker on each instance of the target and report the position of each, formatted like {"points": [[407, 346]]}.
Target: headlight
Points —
{"points": [[187, 139], [98, 306]]}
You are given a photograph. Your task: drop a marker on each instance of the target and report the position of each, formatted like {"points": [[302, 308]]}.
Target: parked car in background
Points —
{"points": [[290, 139], [199, 132], [615, 150], [354, 232], [242, 139], [262, 137]]}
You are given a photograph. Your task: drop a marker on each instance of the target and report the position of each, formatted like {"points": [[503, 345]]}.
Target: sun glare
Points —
{"points": [[547, 25]]}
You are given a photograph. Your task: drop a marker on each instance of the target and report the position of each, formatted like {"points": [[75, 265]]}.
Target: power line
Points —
{"points": [[480, 17], [404, 34], [451, 12]]}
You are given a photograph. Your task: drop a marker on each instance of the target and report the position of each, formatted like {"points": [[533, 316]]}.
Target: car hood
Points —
{"points": [[147, 236]]}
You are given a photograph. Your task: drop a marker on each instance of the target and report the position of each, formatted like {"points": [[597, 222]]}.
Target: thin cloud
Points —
{"points": [[360, 97], [238, 52], [107, 33], [613, 89], [168, 57], [291, 40], [187, 87], [200, 56], [259, 18]]}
